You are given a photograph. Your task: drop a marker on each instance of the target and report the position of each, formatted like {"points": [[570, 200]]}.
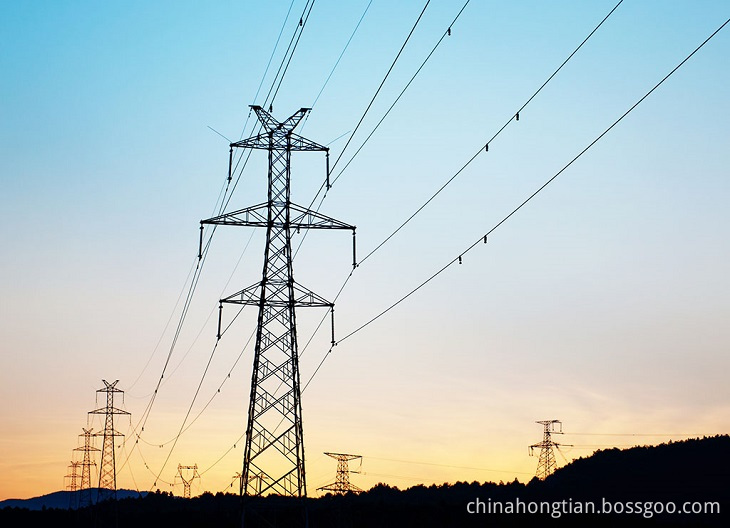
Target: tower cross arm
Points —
{"points": [[308, 219], [254, 216], [109, 410], [257, 216], [280, 140]]}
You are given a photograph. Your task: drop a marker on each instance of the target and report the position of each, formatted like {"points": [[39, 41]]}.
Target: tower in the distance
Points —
{"points": [[73, 476], [73, 484], [86, 463], [274, 449], [546, 464], [187, 474], [342, 485], [107, 469]]}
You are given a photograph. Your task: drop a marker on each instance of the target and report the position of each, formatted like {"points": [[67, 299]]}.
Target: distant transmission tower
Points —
{"points": [[73, 476], [108, 470], [73, 484], [192, 474], [277, 456], [85, 496], [546, 464], [342, 485]]}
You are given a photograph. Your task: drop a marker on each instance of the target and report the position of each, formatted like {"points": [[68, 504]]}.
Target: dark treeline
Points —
{"points": [[638, 478]]}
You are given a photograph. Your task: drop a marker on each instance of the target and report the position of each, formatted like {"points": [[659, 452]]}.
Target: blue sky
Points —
{"points": [[602, 303]]}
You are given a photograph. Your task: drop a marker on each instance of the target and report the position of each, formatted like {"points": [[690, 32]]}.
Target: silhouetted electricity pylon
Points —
{"points": [[73, 483], [73, 476], [275, 399], [86, 463], [192, 474], [342, 485], [546, 464], [107, 469]]}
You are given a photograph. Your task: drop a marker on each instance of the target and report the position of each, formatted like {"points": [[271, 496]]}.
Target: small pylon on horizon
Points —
{"points": [[342, 484]]}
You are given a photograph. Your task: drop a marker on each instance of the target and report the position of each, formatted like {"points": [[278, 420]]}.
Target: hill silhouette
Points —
{"points": [[62, 500], [643, 482]]}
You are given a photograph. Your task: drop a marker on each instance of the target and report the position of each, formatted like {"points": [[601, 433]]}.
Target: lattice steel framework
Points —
{"points": [[73, 484], [73, 476], [192, 474], [342, 484], [108, 470], [546, 464], [86, 463], [274, 449]]}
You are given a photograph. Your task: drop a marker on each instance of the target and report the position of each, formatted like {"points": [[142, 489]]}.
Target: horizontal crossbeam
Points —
{"points": [[257, 216]]}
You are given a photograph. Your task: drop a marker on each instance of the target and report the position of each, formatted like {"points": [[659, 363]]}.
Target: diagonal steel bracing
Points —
{"points": [[273, 460]]}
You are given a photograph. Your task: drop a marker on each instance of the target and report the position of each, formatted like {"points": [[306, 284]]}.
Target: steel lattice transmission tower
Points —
{"points": [[342, 485], [546, 464], [274, 448], [73, 476], [192, 471], [73, 484], [108, 470], [86, 463]]}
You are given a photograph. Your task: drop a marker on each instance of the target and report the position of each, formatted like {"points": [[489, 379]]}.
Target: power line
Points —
{"points": [[485, 147], [438, 43], [167, 325], [271, 57], [340, 57], [446, 465], [347, 44], [481, 149], [190, 408], [381, 84], [297, 34], [540, 189], [325, 187]]}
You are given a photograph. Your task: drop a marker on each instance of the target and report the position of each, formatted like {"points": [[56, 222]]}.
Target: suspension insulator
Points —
{"points": [[354, 251], [230, 163], [220, 317], [328, 170]]}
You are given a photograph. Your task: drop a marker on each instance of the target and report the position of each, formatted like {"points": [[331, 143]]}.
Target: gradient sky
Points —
{"points": [[603, 303]]}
